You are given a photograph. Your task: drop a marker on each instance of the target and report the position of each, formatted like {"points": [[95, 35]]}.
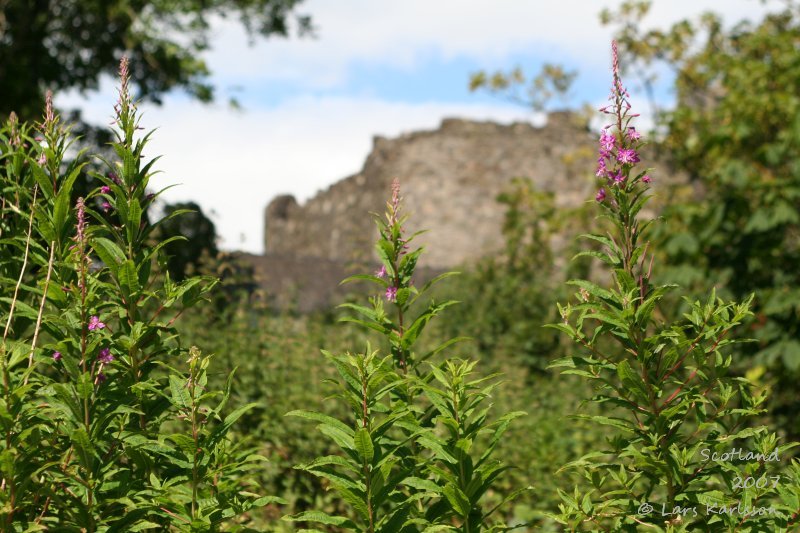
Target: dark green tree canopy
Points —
{"points": [[65, 44], [199, 232]]}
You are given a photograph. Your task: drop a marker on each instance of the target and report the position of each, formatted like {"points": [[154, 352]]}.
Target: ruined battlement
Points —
{"points": [[450, 178]]}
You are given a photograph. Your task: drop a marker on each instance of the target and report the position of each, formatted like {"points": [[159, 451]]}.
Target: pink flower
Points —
{"points": [[94, 323], [601, 167], [633, 134], [105, 189], [42, 159], [56, 356], [617, 178], [101, 377], [381, 273], [601, 195], [628, 156], [105, 356], [646, 178], [106, 207], [607, 141], [391, 294]]}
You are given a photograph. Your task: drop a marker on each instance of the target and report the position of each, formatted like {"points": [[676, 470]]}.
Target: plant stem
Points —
{"points": [[195, 437], [41, 308], [365, 467]]}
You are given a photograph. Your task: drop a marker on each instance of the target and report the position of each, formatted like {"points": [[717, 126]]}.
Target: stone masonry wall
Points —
{"points": [[449, 178]]}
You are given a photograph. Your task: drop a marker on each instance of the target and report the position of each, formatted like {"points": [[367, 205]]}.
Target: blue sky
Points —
{"points": [[310, 107]]}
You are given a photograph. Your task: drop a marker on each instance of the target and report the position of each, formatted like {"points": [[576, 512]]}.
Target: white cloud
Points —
{"points": [[234, 163], [401, 34]]}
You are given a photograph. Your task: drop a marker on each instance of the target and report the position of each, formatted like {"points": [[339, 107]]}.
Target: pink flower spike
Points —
{"points": [[94, 323], [391, 294], [601, 168], [601, 195], [80, 226]]}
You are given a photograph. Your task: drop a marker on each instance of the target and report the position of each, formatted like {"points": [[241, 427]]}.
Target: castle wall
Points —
{"points": [[449, 178]]}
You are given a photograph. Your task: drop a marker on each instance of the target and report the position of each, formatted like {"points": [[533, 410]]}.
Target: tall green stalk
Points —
{"points": [[668, 397]]}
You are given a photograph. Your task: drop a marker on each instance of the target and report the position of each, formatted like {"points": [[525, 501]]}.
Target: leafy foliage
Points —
{"points": [[111, 423], [88, 353], [399, 473], [666, 388], [68, 44], [735, 132], [552, 82]]}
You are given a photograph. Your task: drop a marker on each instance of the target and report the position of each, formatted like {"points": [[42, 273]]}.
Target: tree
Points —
{"points": [[70, 44], [552, 82], [199, 232], [736, 131]]}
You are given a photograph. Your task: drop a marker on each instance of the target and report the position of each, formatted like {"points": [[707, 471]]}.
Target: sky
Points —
{"points": [[310, 107]]}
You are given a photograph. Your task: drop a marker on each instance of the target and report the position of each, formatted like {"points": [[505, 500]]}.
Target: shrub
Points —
{"points": [[672, 462], [412, 453], [94, 407]]}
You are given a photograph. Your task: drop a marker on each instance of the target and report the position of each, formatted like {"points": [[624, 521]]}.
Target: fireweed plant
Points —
{"points": [[683, 454], [417, 450], [102, 431]]}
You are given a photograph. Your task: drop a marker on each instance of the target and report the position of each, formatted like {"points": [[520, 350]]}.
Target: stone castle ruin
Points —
{"points": [[450, 179]]}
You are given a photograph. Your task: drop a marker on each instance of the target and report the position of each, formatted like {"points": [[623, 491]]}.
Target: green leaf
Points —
{"points": [[109, 253], [325, 419], [134, 219], [364, 446], [457, 499], [180, 392], [128, 278], [42, 179], [619, 423], [631, 380], [82, 443], [342, 438], [84, 386], [321, 518], [61, 211], [594, 290]]}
